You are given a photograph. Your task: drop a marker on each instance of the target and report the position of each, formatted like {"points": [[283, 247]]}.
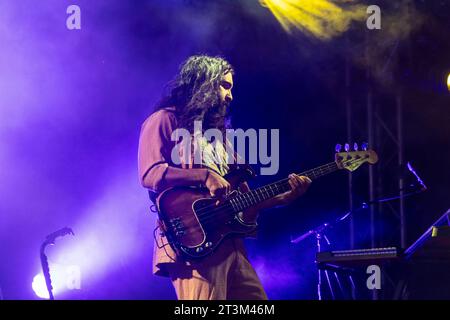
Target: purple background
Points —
{"points": [[72, 102]]}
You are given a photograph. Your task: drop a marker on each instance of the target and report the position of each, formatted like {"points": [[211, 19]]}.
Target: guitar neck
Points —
{"points": [[248, 199]]}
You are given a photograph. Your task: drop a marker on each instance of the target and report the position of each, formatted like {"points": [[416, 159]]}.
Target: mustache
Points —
{"points": [[225, 107]]}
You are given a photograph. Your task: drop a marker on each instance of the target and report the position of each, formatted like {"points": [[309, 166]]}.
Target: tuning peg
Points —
{"points": [[338, 147], [347, 147], [364, 146], [355, 147]]}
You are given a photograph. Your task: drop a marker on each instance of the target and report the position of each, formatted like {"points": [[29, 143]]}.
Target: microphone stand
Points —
{"points": [[319, 231], [320, 234], [50, 240]]}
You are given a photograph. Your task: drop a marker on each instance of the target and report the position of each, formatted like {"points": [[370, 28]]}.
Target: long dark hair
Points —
{"points": [[195, 92]]}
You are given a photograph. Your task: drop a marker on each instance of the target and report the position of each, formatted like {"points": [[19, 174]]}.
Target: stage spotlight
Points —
{"points": [[39, 287], [63, 277]]}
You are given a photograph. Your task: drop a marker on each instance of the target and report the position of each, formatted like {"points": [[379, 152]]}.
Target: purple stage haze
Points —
{"points": [[71, 106], [72, 103]]}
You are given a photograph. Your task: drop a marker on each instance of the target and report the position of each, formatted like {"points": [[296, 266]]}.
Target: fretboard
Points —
{"points": [[255, 196]]}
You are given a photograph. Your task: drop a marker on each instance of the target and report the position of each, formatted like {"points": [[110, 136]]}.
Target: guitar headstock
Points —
{"points": [[352, 160]]}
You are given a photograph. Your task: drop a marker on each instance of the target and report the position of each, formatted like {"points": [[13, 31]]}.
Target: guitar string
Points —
{"points": [[269, 186], [228, 207], [282, 183], [211, 217]]}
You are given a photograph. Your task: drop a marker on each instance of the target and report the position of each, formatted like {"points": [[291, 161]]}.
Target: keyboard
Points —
{"points": [[358, 255]]}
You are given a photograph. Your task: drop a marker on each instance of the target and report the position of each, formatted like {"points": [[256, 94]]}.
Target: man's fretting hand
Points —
{"points": [[299, 185]]}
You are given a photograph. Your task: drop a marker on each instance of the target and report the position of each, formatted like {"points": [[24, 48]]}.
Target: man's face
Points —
{"points": [[226, 84]]}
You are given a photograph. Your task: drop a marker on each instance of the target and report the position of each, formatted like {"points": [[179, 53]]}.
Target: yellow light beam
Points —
{"points": [[322, 19]]}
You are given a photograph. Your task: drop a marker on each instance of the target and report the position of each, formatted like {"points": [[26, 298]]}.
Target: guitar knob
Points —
{"points": [[347, 147], [199, 249], [364, 146], [355, 147], [208, 244], [338, 148]]}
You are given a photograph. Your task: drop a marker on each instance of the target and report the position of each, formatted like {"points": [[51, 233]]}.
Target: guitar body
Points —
{"points": [[195, 223]]}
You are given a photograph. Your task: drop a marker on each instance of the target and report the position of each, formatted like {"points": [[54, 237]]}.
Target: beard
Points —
{"points": [[217, 116]]}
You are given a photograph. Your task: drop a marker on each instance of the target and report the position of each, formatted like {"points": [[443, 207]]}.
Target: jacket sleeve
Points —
{"points": [[155, 146]]}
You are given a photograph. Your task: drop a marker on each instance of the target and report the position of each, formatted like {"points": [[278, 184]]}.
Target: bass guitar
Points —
{"points": [[195, 223]]}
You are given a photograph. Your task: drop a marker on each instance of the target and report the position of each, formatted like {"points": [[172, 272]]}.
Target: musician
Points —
{"points": [[201, 91]]}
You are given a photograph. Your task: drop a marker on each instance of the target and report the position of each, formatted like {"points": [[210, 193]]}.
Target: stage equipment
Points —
{"points": [[421, 270], [50, 240], [342, 259]]}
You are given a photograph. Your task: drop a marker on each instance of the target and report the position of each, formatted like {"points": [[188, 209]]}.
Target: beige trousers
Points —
{"points": [[225, 275]]}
